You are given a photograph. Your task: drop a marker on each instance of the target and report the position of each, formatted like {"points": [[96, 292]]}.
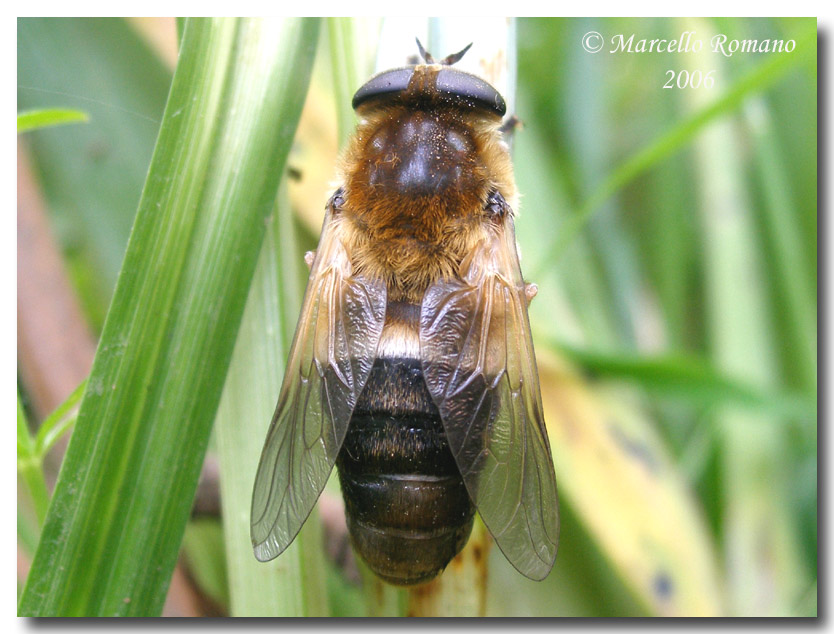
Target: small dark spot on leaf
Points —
{"points": [[633, 448], [662, 585], [98, 150]]}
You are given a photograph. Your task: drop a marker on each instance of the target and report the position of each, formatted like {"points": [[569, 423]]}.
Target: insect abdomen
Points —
{"points": [[407, 508]]}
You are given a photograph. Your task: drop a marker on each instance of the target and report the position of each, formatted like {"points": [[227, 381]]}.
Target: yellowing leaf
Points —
{"points": [[623, 484]]}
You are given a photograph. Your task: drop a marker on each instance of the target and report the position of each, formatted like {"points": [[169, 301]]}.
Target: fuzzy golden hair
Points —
{"points": [[416, 183]]}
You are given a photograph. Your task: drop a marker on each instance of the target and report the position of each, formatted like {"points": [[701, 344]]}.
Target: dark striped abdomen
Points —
{"points": [[407, 508]]}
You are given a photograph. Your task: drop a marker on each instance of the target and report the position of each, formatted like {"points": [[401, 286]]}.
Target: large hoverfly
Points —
{"points": [[412, 368]]}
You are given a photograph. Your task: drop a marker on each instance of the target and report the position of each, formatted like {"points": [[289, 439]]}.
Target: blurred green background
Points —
{"points": [[672, 233]]}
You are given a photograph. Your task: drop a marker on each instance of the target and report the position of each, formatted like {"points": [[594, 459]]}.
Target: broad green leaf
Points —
{"points": [[92, 174], [124, 494]]}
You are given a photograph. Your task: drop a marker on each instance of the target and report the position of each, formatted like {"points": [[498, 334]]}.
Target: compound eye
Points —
{"points": [[470, 89], [387, 84], [451, 85]]}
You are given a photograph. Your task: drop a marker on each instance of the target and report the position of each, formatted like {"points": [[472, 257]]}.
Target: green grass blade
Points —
{"points": [[28, 532], [689, 379], [202, 546], [347, 75], [764, 572], [352, 43], [758, 80], [590, 108], [293, 584], [29, 465], [25, 442], [58, 422], [793, 284], [118, 515], [43, 118]]}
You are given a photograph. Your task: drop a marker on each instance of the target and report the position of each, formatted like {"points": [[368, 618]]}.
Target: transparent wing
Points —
{"points": [[332, 354], [479, 365]]}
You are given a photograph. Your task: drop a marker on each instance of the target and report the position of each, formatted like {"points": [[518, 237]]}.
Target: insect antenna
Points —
{"points": [[424, 53], [448, 61], [455, 57]]}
